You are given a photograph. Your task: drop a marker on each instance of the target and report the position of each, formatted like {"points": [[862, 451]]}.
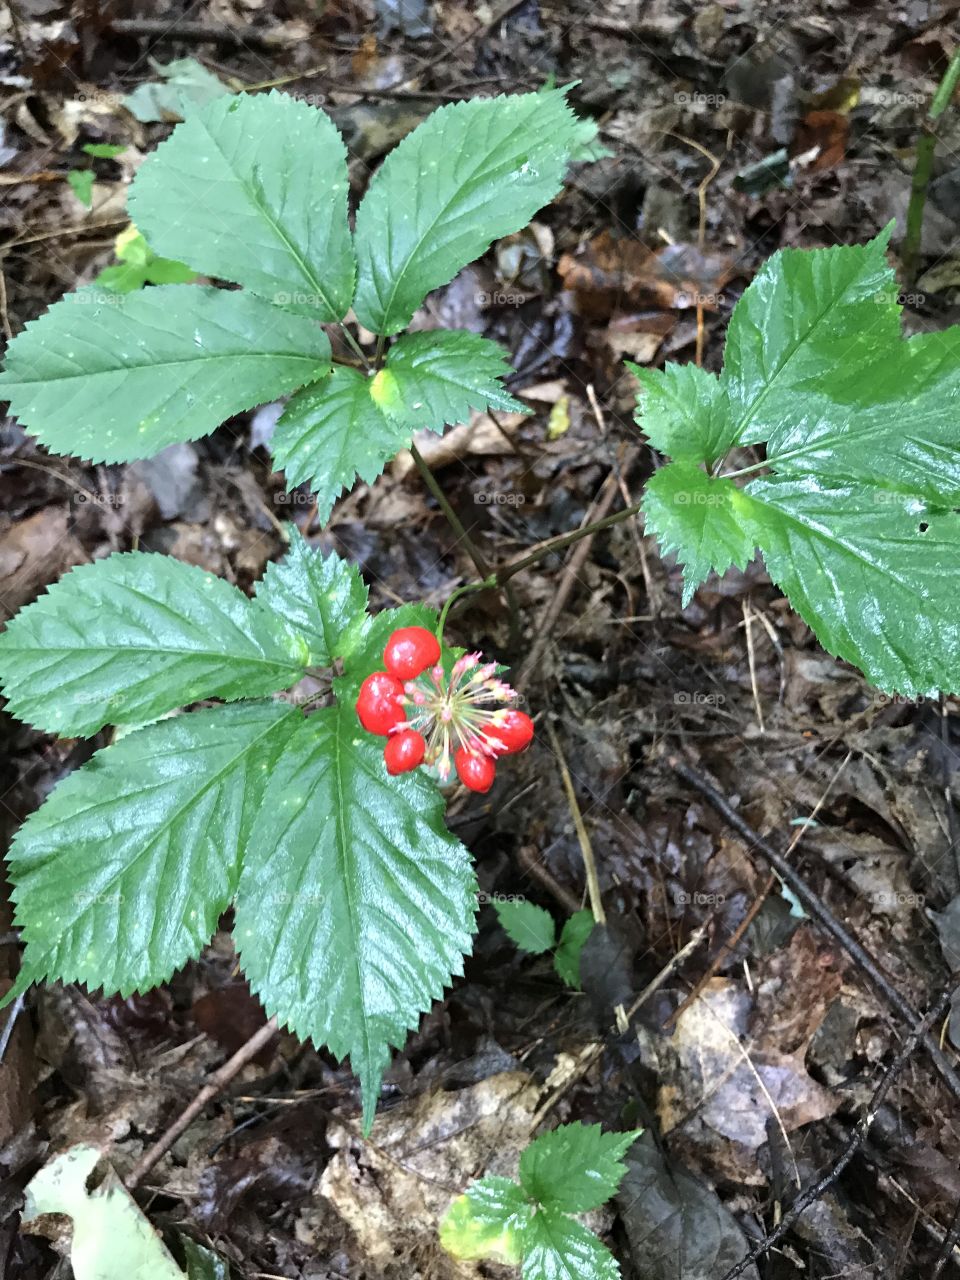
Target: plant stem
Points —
{"points": [[486, 584], [354, 345], [923, 166], [454, 521], [507, 571]]}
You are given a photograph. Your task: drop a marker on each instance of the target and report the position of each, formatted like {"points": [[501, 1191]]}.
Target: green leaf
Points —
{"points": [[684, 412], [874, 573], [574, 1168], [185, 86], [556, 1247], [253, 189], [128, 638], [857, 521], [435, 379], [573, 938], [528, 925], [324, 599], [139, 265], [487, 1222], [356, 904], [332, 432], [111, 380], [81, 184], [473, 171], [121, 875], [805, 315], [696, 516], [203, 1264], [105, 150]]}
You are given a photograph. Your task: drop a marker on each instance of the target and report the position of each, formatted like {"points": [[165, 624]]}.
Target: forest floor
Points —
{"points": [[731, 129]]}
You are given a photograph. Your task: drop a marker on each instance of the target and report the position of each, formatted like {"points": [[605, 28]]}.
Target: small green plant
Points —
{"points": [[853, 499], [534, 931], [571, 1170], [139, 265]]}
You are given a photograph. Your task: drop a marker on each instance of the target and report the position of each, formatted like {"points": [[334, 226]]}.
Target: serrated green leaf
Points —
{"points": [[805, 314], [356, 904], [121, 875], [696, 516], [874, 573], [80, 182], [857, 522], [487, 1222], [128, 638], [435, 379], [573, 938], [323, 598], [528, 925], [473, 171], [556, 1247], [684, 412], [332, 432], [574, 1168], [111, 379], [253, 189]]}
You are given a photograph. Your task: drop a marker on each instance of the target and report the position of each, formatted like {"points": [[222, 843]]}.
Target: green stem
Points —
{"points": [[923, 167], [354, 345], [485, 585], [507, 571], [454, 521]]}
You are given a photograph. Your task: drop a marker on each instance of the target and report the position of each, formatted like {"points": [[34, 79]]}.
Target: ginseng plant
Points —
{"points": [[828, 441]]}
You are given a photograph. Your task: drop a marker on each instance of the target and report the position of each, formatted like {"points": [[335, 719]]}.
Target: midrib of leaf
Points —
{"points": [[546, 1226], [257, 200], [771, 381], [169, 364], [175, 817], [342, 857], [429, 230]]}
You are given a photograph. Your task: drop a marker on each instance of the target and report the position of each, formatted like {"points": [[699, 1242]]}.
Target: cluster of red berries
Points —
{"points": [[461, 721]]}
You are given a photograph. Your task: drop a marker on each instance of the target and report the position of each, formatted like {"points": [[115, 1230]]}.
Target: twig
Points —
{"points": [[587, 530], [583, 838], [818, 911], [735, 938], [14, 1013], [594, 1052], [857, 1139], [923, 166], [174, 28], [217, 1082], [545, 623], [949, 1243]]}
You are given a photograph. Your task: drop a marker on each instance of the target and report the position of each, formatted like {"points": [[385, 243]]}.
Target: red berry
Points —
{"points": [[404, 751], [378, 704], [516, 732], [409, 651], [474, 770]]}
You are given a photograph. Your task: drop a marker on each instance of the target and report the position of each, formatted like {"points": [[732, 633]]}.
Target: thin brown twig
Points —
{"points": [[821, 913], [735, 938], [545, 623], [217, 1082], [859, 1136]]}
